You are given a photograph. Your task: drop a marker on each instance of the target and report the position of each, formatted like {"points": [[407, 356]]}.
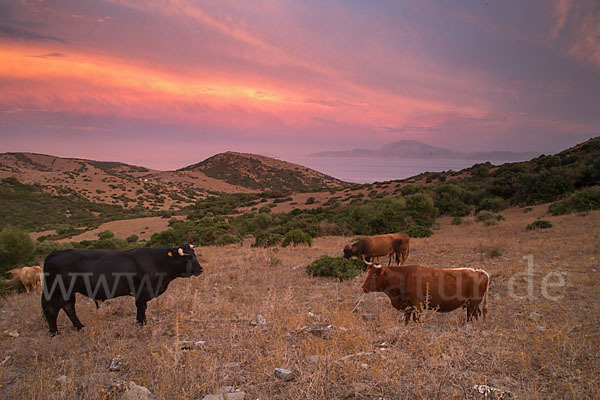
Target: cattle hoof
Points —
{"points": [[79, 327], [52, 334]]}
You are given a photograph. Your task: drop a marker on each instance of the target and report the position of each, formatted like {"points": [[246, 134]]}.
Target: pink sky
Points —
{"points": [[165, 84]]}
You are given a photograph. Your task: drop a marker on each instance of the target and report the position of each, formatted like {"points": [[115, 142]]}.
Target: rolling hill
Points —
{"points": [[263, 173], [133, 186]]}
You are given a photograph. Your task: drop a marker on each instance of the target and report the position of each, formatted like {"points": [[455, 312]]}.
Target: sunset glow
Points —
{"points": [[286, 78]]}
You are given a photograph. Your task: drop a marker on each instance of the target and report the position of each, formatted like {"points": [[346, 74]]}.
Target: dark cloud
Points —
{"points": [[51, 55], [13, 32]]}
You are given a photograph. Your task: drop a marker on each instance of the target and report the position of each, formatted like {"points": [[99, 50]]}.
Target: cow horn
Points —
{"points": [[180, 251], [191, 246]]}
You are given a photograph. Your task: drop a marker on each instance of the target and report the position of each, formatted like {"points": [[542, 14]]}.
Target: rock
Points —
{"points": [[364, 366], [62, 379], [369, 317], [535, 316], [488, 392], [228, 389], [233, 365], [235, 396], [284, 374], [214, 397], [199, 343], [541, 328], [5, 360], [259, 320], [315, 360], [357, 355], [116, 365], [13, 334], [136, 392], [320, 330]]}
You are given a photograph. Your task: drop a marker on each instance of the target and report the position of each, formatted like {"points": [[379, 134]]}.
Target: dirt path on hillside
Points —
{"points": [[143, 227]]}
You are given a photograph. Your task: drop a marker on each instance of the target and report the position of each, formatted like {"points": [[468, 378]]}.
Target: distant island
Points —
{"points": [[416, 149]]}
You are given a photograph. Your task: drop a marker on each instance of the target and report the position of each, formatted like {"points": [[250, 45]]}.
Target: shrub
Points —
{"points": [[310, 200], [337, 267], [170, 237], [418, 231], [132, 239], [494, 204], [16, 248], [296, 237], [457, 221], [226, 239], [587, 200], [267, 239], [106, 235], [488, 217], [539, 224]]}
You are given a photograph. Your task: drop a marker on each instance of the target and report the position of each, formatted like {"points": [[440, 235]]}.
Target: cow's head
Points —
{"points": [[185, 263], [348, 251], [374, 274]]}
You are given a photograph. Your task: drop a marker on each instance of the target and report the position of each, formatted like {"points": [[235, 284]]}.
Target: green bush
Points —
{"points": [[226, 239], [418, 231], [16, 248], [587, 200], [337, 267], [494, 204], [132, 238], [296, 237], [539, 224], [170, 237], [457, 221], [310, 200], [488, 217], [267, 239], [106, 235]]}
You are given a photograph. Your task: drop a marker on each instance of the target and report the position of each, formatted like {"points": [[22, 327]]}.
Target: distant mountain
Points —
{"points": [[415, 149], [261, 173]]}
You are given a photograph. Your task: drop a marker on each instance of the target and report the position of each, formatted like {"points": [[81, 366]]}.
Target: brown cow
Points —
{"points": [[379, 246], [414, 287], [30, 277]]}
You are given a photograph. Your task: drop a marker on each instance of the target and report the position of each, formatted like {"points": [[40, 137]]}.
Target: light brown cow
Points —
{"points": [[30, 277], [380, 245], [414, 287]]}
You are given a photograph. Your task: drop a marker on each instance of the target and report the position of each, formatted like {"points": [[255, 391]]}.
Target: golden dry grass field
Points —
{"points": [[545, 347]]}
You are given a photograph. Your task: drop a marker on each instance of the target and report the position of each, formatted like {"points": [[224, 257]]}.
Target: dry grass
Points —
{"points": [[550, 354]]}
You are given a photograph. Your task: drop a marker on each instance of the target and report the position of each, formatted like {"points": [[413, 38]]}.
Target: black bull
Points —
{"points": [[143, 273]]}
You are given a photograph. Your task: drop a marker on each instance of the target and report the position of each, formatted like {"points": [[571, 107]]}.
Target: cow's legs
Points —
{"points": [[69, 307], [141, 311], [50, 309]]}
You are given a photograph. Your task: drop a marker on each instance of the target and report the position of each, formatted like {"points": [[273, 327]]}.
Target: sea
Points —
{"points": [[369, 170]]}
